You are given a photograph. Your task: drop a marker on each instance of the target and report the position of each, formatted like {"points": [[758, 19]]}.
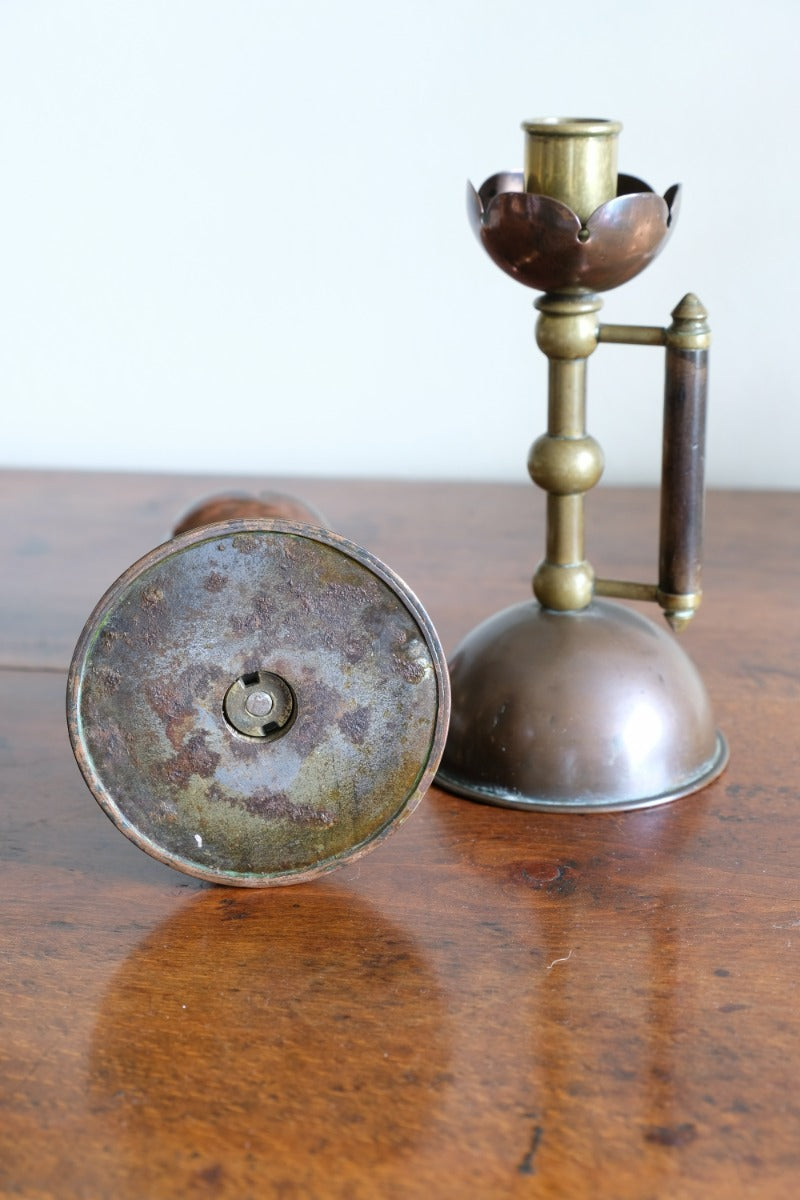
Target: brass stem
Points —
{"points": [[566, 398], [565, 530], [565, 461]]}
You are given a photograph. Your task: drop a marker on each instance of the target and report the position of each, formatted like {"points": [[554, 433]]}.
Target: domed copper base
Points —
{"points": [[577, 712]]}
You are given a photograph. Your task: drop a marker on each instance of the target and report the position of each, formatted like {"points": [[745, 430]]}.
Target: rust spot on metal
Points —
{"points": [[245, 543], [151, 596], [193, 758], [280, 804], [214, 582], [355, 724], [175, 711], [412, 669], [111, 679]]}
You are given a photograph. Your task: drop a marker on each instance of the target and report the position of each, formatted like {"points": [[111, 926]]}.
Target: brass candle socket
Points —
{"points": [[573, 160], [258, 700], [573, 703]]}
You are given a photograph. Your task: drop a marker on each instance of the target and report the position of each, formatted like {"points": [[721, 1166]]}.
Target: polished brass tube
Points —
{"points": [[572, 159], [565, 530], [633, 335], [566, 397], [625, 589]]}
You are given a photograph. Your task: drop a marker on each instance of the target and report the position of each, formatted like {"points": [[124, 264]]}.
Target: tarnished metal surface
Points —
{"points": [[165, 645], [542, 243]]}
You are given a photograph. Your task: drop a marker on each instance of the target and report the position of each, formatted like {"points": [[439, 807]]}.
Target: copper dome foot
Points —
{"points": [[589, 711]]}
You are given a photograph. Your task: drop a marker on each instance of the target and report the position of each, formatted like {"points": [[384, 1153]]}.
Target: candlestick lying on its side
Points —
{"points": [[258, 700]]}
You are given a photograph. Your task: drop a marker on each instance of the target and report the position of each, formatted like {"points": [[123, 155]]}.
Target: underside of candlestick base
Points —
{"points": [[590, 711]]}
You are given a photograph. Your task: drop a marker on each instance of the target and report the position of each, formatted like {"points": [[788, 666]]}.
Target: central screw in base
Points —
{"points": [[260, 705]]}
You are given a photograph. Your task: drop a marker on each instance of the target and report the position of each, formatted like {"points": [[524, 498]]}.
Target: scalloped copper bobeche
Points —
{"points": [[541, 242]]}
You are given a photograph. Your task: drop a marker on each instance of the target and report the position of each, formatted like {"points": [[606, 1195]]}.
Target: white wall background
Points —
{"points": [[233, 232]]}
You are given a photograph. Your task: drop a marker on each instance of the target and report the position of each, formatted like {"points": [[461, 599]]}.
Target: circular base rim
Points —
{"points": [[104, 789], [504, 799]]}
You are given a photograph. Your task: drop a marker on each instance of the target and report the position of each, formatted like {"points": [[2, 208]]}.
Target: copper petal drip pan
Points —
{"points": [[543, 244], [255, 703]]}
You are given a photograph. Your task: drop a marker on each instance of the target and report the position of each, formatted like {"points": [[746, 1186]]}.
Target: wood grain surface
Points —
{"points": [[492, 1003]]}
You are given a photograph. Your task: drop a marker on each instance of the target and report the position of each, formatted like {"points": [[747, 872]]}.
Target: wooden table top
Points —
{"points": [[493, 1002]]}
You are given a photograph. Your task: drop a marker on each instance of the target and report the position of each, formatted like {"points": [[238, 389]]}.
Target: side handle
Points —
{"points": [[680, 553], [683, 463]]}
